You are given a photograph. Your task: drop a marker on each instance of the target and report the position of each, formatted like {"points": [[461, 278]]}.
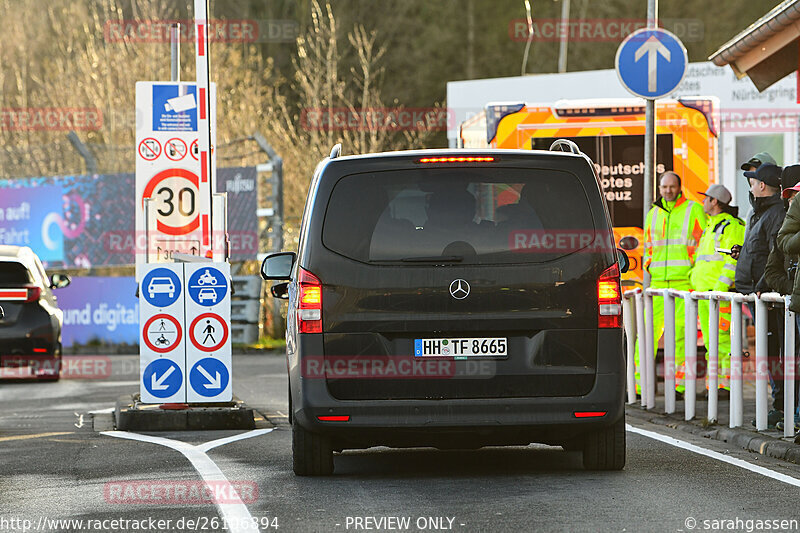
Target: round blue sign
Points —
{"points": [[209, 377], [651, 62], [162, 378], [207, 286], [161, 287]]}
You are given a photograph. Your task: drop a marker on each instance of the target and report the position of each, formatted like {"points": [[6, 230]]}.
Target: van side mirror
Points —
{"points": [[59, 281], [278, 266], [624, 262], [280, 290]]}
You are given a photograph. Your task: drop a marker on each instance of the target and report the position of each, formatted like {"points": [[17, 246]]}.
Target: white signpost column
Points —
{"points": [[208, 340], [162, 352]]}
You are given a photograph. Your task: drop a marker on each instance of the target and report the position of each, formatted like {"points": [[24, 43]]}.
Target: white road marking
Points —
{"points": [[236, 514], [102, 411], [715, 455]]}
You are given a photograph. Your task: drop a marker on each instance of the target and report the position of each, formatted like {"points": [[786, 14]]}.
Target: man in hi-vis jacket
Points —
{"points": [[715, 270], [672, 231]]}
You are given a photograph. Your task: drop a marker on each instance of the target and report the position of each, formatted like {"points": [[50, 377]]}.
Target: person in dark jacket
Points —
{"points": [[779, 273], [760, 232], [781, 270]]}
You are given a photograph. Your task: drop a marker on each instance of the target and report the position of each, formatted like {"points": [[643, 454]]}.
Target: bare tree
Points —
{"points": [[327, 85]]}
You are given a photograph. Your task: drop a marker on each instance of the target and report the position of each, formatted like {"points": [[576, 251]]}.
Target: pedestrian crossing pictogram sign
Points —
{"points": [[208, 332]]}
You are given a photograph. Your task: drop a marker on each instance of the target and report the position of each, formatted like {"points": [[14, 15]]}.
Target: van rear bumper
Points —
{"points": [[487, 420]]}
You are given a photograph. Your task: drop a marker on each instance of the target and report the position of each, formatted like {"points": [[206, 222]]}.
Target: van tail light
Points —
{"points": [[34, 293], [609, 299], [309, 307]]}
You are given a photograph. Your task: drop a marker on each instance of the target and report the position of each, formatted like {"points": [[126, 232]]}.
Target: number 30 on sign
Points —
{"points": [[174, 192]]}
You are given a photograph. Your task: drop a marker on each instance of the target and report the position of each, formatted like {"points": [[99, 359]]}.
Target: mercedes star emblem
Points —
{"points": [[459, 289]]}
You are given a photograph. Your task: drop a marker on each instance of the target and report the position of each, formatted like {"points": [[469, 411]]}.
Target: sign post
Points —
{"points": [[185, 313], [651, 63]]}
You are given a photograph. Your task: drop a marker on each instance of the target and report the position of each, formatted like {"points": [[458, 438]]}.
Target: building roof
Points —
{"points": [[767, 50]]}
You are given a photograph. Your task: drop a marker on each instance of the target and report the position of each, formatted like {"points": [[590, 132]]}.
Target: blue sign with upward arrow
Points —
{"points": [[209, 377], [651, 62], [162, 378]]}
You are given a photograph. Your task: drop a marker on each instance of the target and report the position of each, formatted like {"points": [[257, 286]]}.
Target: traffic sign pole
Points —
{"points": [[203, 70], [649, 139], [651, 63]]}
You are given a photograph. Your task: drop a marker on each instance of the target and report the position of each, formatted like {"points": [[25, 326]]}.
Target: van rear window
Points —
{"points": [[465, 216]]}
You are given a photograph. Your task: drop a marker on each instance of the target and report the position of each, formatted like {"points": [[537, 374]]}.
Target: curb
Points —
{"points": [[131, 415], [741, 438]]}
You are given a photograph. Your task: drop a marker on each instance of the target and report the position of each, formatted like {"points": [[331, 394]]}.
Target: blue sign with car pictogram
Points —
{"points": [[207, 286], [161, 287], [162, 378], [209, 377]]}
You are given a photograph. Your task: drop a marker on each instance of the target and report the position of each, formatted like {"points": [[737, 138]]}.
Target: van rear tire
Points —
{"points": [[312, 453], [605, 449]]}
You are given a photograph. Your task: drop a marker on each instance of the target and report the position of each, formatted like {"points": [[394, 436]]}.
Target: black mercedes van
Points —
{"points": [[454, 299]]}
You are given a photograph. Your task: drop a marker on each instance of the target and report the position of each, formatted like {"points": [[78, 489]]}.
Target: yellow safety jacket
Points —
{"points": [[712, 270], [672, 232]]}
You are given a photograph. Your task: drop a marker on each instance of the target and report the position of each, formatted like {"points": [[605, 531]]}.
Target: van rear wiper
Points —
{"points": [[434, 259]]}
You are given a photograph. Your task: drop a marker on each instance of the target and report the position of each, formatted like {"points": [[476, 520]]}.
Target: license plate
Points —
{"points": [[461, 348]]}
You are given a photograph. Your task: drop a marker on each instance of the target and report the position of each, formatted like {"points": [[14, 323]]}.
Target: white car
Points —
{"points": [[207, 294], [161, 286]]}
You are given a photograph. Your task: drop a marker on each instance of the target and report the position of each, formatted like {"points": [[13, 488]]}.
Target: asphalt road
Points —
{"points": [[55, 465]]}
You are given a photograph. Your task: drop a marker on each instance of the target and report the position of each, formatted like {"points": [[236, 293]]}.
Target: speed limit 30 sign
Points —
{"points": [[170, 185]]}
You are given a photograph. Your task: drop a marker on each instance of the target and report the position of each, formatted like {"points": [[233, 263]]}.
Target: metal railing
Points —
{"points": [[638, 321]]}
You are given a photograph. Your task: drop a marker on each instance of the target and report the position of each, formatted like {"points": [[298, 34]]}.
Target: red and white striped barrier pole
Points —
{"points": [[203, 69]]}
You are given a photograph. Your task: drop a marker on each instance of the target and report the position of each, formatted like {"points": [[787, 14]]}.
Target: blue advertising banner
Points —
{"points": [[88, 221], [103, 309], [32, 217]]}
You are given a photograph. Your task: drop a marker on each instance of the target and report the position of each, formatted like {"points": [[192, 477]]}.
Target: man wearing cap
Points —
{"points": [[714, 270], [760, 232], [672, 230]]}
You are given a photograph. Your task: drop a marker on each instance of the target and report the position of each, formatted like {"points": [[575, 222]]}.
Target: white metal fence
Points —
{"points": [[638, 320]]}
